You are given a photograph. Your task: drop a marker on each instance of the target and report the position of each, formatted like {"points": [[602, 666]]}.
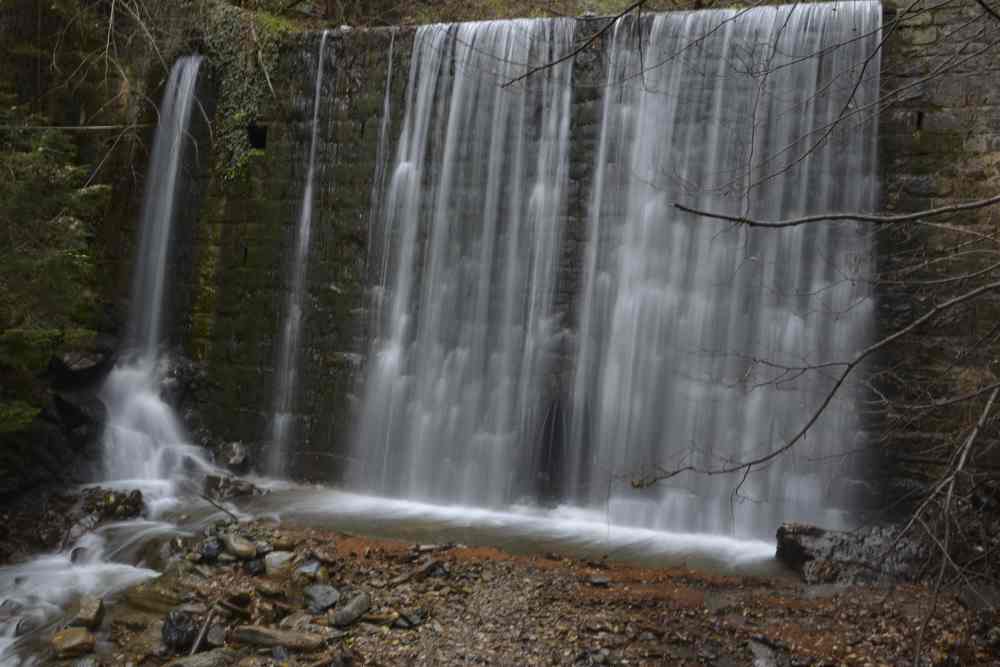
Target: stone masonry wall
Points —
{"points": [[940, 144]]}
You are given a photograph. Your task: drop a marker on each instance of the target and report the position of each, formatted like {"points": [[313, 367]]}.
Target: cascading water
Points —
{"points": [[765, 112], [143, 439], [288, 349], [683, 317], [472, 232], [144, 443]]}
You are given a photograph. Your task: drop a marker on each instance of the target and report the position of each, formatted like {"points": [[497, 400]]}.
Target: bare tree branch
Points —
{"points": [[843, 217]]}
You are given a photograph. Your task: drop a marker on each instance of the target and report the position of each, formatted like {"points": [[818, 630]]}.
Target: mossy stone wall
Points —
{"points": [[940, 143]]}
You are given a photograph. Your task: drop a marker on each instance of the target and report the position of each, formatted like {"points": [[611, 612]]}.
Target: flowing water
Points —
{"points": [[143, 439], [690, 333], [471, 222], [286, 370]]}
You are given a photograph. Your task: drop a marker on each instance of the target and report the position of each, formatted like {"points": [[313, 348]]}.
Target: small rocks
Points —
{"points": [[179, 630], [91, 613], [210, 549], [409, 619], [352, 611], [320, 597], [283, 542], [73, 642], [255, 567], [238, 546], [326, 554], [599, 581], [255, 635], [277, 561]]}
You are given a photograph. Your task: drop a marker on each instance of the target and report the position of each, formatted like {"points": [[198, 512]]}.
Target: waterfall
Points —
{"points": [[286, 370], [472, 225], [143, 438], [681, 316], [682, 326]]}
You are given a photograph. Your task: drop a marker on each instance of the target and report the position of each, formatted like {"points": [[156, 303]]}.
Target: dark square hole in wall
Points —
{"points": [[257, 135]]}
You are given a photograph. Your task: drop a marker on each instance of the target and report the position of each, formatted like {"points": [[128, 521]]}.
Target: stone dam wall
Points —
{"points": [[940, 144]]}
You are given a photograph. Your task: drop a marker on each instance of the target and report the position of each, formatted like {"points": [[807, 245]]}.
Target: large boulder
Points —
{"points": [[863, 556], [81, 368]]}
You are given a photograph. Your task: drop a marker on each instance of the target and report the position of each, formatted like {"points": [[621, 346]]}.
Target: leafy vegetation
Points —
{"points": [[47, 265]]}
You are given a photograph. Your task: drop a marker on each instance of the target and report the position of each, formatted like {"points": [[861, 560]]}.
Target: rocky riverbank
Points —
{"points": [[259, 593]]}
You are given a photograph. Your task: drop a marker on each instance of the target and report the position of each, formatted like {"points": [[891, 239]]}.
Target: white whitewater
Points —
{"points": [[286, 370], [736, 117], [731, 111], [472, 236], [143, 439]]}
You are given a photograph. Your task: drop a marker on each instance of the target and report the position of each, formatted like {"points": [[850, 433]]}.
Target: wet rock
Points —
{"points": [[157, 596], [81, 416], [352, 611], [226, 488], [864, 556], [308, 570], [91, 613], [270, 589], [600, 582], [254, 635], [216, 658], [82, 368], [73, 642], [180, 629], [409, 619], [238, 546], [216, 636], [210, 549], [320, 597], [233, 455], [107, 504], [277, 561]]}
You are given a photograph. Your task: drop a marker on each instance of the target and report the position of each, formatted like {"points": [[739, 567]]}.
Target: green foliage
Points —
{"points": [[47, 268], [16, 415]]}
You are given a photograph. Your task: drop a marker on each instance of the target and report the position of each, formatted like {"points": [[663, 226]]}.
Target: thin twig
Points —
{"points": [[583, 47], [220, 507], [201, 634]]}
